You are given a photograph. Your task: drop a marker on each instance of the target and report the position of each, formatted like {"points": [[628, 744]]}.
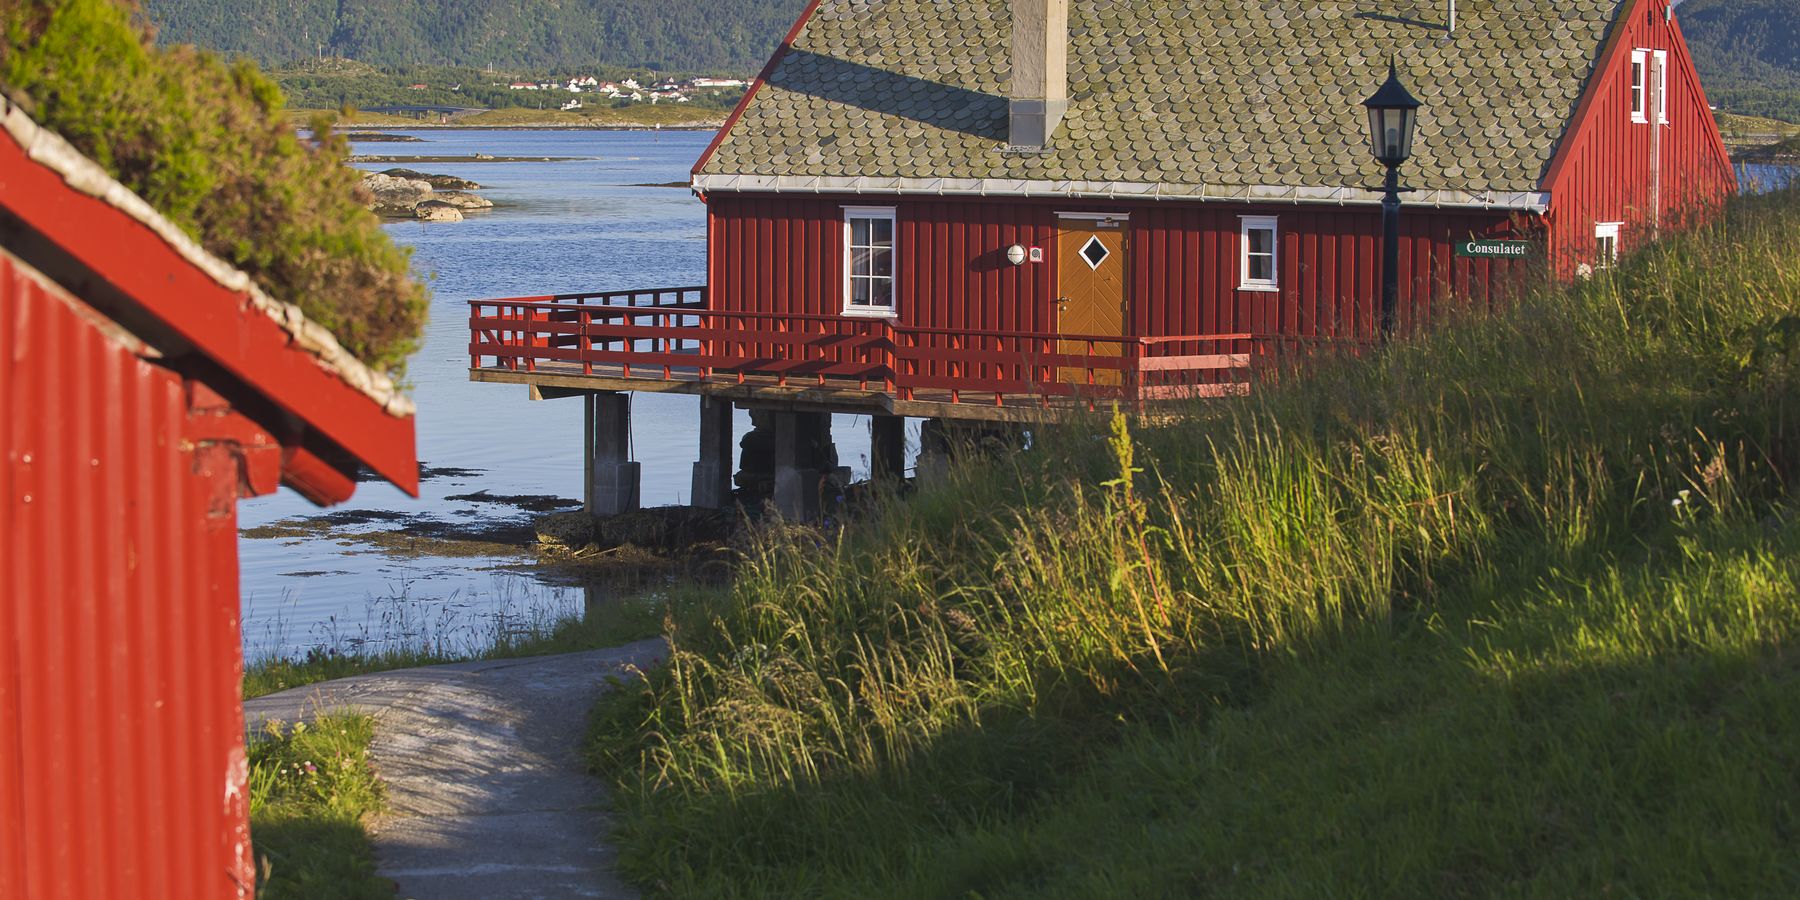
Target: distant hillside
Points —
{"points": [[1748, 52], [665, 35]]}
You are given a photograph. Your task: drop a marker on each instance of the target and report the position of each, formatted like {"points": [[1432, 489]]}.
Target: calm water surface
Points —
{"points": [[586, 225], [558, 227], [1759, 177]]}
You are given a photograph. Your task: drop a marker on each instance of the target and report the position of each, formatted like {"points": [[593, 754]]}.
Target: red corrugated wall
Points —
{"points": [[1603, 171], [776, 253], [122, 765]]}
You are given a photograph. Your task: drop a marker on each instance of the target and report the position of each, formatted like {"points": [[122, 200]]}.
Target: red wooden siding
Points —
{"points": [[122, 771], [784, 254], [1603, 170]]}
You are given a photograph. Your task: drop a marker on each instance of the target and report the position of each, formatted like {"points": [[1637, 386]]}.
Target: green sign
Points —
{"points": [[1485, 248]]}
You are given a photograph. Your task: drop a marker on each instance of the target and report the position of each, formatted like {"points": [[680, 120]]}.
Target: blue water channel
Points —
{"points": [[583, 225]]}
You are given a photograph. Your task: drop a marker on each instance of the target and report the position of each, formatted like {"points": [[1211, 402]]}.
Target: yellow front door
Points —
{"points": [[1091, 279]]}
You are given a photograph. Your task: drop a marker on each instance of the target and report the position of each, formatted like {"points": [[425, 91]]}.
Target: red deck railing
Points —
{"points": [[669, 334]]}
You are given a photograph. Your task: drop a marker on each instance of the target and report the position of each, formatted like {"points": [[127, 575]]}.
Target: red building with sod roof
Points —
{"points": [[146, 387], [998, 210]]}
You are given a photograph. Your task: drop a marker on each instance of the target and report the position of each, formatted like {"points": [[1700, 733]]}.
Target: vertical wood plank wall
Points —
{"points": [[1606, 176], [776, 253]]}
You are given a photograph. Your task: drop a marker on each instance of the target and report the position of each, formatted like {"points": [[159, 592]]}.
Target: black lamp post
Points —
{"points": [[1392, 112]]}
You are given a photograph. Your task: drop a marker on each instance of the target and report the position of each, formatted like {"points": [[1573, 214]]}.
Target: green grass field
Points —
{"points": [[311, 788], [1507, 610]]}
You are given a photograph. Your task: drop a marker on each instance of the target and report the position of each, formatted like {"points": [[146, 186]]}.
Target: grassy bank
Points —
{"points": [[311, 788], [1506, 610], [662, 115], [408, 642]]}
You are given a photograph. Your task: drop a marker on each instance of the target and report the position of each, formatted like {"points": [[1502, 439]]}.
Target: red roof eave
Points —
{"points": [[220, 323]]}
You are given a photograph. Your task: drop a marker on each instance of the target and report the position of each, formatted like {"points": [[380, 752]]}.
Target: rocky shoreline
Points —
{"points": [[406, 194]]}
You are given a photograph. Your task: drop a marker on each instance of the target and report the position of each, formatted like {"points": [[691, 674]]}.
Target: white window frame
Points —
{"points": [[1660, 60], [1247, 224], [1643, 60], [1607, 231], [1640, 86], [891, 310]]}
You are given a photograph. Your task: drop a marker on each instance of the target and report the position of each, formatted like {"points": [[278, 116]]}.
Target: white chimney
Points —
{"points": [[1040, 73]]}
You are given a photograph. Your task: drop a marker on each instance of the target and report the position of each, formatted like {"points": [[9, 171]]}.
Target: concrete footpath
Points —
{"points": [[487, 796]]}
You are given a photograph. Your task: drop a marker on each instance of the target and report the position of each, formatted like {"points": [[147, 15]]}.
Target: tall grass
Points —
{"points": [[969, 693]]}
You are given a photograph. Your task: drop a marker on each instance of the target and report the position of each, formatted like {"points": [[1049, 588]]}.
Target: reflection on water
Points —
{"points": [[1759, 178], [584, 225]]}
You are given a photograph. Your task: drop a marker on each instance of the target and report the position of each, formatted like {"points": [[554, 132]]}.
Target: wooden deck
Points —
{"points": [[669, 341], [834, 395]]}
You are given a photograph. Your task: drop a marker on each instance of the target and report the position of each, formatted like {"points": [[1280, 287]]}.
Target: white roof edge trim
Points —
{"points": [[48, 149], [1525, 201]]}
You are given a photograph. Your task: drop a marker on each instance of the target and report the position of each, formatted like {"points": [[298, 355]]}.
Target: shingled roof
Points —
{"points": [[1255, 99]]}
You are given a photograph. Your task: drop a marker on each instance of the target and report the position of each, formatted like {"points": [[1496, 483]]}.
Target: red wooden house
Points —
{"points": [[974, 209], [145, 387]]}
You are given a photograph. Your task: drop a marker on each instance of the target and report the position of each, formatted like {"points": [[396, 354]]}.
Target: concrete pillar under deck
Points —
{"points": [[887, 448], [612, 478], [712, 474], [934, 451], [797, 472]]}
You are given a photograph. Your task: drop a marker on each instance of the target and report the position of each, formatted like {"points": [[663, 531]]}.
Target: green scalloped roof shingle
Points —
{"points": [[1219, 93]]}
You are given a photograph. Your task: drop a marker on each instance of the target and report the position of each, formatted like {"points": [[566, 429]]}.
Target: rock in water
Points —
{"points": [[440, 182], [438, 211], [390, 196], [464, 201]]}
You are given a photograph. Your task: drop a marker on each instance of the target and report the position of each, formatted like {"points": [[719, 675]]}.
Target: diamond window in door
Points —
{"points": [[1095, 252]]}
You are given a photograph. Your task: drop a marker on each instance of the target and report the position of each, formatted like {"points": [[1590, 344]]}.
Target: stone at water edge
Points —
{"points": [[390, 196], [465, 201], [439, 182], [438, 211], [670, 528]]}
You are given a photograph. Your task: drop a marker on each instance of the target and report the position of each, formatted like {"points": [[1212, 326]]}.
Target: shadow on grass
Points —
{"points": [[310, 858]]}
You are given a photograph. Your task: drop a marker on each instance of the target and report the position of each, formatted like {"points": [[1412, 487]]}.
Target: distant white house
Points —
{"points": [[719, 82], [523, 86], [571, 105]]}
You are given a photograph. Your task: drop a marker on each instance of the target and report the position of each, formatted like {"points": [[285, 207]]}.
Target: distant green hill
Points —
{"points": [[666, 35], [1748, 52]]}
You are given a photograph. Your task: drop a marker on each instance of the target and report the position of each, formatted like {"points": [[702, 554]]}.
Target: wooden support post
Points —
{"points": [[887, 448], [611, 475], [712, 474]]}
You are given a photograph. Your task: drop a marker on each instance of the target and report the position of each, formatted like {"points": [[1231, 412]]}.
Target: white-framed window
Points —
{"points": [[1645, 65], [1606, 244], [1259, 262], [1640, 83], [869, 260]]}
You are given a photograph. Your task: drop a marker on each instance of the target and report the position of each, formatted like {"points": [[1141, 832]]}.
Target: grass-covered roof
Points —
{"points": [[204, 141]]}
